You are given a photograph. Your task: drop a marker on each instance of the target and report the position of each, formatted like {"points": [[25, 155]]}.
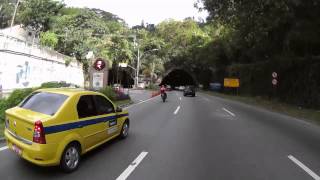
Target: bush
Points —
{"points": [[3, 107], [54, 84], [17, 96], [14, 99], [152, 87], [109, 92]]}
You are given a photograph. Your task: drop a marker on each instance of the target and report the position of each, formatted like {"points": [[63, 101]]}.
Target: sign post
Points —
{"points": [[99, 74], [233, 83], [274, 82]]}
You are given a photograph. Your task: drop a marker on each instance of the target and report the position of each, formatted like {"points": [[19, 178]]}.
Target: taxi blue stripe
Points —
{"points": [[80, 124]]}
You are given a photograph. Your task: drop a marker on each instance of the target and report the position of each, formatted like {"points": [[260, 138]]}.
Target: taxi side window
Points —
{"points": [[104, 106], [86, 107]]}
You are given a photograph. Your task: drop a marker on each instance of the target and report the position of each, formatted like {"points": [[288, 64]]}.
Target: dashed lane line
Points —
{"points": [[304, 167], [126, 173]]}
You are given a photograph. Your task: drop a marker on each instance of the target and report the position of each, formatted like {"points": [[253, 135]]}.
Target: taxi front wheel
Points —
{"points": [[70, 158], [124, 130]]}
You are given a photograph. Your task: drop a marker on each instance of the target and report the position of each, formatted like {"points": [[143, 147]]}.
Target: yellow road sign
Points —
{"points": [[231, 82]]}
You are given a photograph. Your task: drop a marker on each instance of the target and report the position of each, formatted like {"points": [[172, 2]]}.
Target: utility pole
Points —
{"points": [[14, 14]]}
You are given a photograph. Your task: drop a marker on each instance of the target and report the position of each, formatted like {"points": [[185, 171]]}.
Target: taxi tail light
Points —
{"points": [[38, 133]]}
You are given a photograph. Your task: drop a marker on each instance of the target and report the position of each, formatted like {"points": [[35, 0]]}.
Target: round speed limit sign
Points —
{"points": [[274, 75]]}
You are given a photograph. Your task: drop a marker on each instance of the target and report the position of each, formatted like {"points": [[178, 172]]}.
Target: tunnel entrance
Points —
{"points": [[119, 76], [178, 77]]}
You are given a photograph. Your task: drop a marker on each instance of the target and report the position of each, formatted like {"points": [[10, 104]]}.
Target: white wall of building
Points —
{"points": [[23, 65]]}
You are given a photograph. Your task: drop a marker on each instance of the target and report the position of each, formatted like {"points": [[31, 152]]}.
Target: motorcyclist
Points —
{"points": [[163, 89], [163, 93]]}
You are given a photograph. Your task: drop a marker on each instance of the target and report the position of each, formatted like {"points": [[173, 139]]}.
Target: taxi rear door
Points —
{"points": [[106, 109], [90, 125]]}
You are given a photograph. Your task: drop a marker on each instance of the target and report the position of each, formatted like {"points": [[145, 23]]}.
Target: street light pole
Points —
{"points": [[138, 62], [138, 68]]}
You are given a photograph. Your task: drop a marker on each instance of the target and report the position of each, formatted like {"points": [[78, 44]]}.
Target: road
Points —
{"points": [[138, 96], [188, 138]]}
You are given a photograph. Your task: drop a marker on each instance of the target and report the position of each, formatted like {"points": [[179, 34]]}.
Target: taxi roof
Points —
{"points": [[67, 91]]}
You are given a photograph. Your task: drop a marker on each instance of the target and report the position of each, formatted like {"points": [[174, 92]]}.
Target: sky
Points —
{"points": [[150, 11]]}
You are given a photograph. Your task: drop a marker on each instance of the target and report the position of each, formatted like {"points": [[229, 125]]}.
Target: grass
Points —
{"points": [[311, 115]]}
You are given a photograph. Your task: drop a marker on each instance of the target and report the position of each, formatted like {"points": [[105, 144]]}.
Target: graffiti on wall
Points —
{"points": [[23, 74]]}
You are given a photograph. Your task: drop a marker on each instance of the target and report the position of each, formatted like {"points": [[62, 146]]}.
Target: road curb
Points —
{"points": [[126, 105]]}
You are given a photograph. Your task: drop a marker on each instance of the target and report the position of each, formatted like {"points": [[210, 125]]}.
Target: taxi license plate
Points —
{"points": [[16, 149]]}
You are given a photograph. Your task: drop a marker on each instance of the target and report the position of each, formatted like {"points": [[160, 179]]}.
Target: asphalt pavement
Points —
{"points": [[202, 137], [138, 96]]}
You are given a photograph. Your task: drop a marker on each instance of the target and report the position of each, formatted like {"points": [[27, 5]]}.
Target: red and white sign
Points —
{"points": [[99, 64]]}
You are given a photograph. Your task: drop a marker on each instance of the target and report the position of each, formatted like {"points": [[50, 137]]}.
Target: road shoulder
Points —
{"points": [[307, 115]]}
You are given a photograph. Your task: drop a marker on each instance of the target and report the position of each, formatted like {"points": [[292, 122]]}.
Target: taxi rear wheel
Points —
{"points": [[124, 130], [70, 158]]}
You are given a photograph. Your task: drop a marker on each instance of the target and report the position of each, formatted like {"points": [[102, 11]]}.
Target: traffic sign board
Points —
{"points": [[274, 75]]}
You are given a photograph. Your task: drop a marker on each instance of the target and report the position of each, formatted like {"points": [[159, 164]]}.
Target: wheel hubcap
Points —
{"points": [[72, 157], [125, 129]]}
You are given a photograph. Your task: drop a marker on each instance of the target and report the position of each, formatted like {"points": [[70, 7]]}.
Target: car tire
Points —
{"points": [[124, 130], [193, 95], [70, 159]]}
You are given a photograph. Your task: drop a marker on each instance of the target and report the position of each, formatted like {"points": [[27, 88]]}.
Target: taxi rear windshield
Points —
{"points": [[43, 102]]}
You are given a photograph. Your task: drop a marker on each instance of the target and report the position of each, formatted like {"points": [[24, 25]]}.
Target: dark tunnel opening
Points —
{"points": [[120, 77], [178, 77]]}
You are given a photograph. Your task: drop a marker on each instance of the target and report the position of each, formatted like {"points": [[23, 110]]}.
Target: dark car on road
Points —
{"points": [[189, 91]]}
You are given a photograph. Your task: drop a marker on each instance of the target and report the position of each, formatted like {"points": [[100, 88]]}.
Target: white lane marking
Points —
{"points": [[226, 110], [180, 98], [3, 148], [140, 102], [304, 167], [125, 174], [177, 110]]}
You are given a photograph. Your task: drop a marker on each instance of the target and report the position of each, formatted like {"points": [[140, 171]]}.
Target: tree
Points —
{"points": [[37, 13], [6, 12], [84, 30], [48, 39]]}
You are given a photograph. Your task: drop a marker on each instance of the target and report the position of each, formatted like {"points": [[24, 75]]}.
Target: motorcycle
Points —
{"points": [[164, 96]]}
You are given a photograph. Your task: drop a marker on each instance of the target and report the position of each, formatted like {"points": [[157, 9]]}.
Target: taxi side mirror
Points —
{"points": [[119, 109]]}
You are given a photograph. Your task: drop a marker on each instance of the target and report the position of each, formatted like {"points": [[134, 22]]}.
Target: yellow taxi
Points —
{"points": [[56, 126]]}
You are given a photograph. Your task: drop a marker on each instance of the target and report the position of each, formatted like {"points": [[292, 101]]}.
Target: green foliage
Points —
{"points": [[153, 87], [84, 30], [13, 100], [48, 39], [17, 96], [54, 85], [3, 107], [6, 9], [298, 80], [37, 13], [109, 92]]}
